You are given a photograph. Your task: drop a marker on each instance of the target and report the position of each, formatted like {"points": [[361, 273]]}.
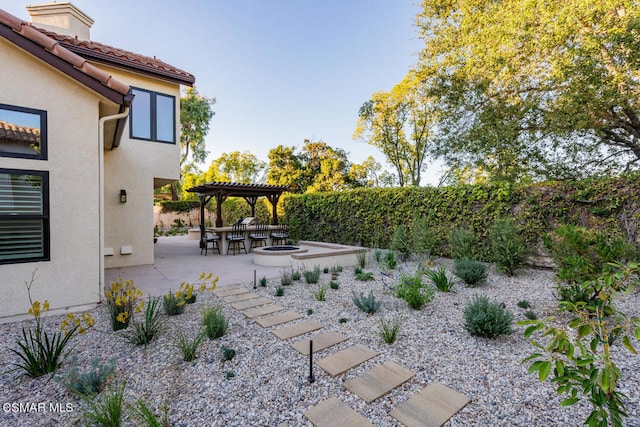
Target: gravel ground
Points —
{"points": [[270, 387]]}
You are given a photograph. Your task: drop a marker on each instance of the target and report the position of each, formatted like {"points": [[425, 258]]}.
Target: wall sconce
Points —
{"points": [[123, 196]]}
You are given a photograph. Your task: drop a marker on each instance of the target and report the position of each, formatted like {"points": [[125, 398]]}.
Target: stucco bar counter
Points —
{"points": [[224, 243]]}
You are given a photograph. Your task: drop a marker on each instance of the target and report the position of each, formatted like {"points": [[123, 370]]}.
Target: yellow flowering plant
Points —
{"points": [[41, 353], [206, 282], [123, 300]]}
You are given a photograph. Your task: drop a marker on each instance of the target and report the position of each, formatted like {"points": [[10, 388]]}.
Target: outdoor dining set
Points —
{"points": [[236, 237]]}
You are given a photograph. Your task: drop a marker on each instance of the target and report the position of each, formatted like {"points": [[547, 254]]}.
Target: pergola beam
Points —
{"points": [[250, 192]]}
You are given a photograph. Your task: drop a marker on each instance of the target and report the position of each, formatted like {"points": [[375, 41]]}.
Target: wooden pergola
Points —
{"points": [[250, 192]]}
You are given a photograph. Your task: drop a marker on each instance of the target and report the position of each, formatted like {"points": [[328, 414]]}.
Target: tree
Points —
{"points": [[236, 167], [400, 123], [195, 115], [318, 167], [551, 86], [369, 173]]}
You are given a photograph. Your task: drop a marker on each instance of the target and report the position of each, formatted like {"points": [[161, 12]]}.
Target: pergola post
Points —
{"points": [[252, 200], [273, 199], [220, 198]]}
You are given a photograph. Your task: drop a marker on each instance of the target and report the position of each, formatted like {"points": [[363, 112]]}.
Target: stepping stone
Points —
{"points": [[287, 332], [340, 362], [320, 342], [261, 311], [379, 381], [432, 407], [240, 297], [255, 302], [288, 316], [332, 412], [228, 290]]}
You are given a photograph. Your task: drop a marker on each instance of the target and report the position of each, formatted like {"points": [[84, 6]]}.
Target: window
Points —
{"points": [[24, 216], [23, 132], [153, 116]]}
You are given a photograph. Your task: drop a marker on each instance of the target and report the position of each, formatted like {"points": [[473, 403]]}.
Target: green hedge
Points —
{"points": [[178, 205], [369, 216]]}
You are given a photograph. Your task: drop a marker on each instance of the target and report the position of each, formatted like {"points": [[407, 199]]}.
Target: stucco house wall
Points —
{"points": [[69, 278], [137, 166]]}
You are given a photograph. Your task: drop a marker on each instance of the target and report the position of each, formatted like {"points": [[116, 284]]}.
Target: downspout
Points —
{"points": [[101, 123]]}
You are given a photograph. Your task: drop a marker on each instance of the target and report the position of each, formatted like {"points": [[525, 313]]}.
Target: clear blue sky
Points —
{"points": [[280, 70]]}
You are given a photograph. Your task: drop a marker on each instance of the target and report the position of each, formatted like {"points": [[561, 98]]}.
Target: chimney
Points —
{"points": [[62, 18]]}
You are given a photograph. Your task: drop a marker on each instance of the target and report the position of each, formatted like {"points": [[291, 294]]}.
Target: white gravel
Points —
{"points": [[270, 385]]}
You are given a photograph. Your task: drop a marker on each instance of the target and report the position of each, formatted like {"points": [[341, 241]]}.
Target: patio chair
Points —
{"points": [[259, 236], [281, 234], [236, 237], [209, 237]]}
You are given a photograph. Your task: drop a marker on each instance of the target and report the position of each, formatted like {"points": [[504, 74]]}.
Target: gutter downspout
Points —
{"points": [[101, 123]]}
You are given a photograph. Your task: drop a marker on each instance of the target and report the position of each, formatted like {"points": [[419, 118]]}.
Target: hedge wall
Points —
{"points": [[369, 216]]}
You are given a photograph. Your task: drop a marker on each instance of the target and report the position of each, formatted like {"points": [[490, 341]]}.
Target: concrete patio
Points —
{"points": [[178, 259]]}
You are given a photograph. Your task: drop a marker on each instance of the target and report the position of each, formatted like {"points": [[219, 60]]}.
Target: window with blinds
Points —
{"points": [[24, 216]]}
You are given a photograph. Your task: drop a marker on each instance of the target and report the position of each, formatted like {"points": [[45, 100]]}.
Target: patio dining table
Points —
{"points": [[224, 243]]}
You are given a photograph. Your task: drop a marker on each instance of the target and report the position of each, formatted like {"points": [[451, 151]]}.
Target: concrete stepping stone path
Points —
{"points": [[287, 316], [343, 360], [379, 381], [431, 407], [239, 297], [296, 329], [229, 290], [255, 302], [332, 412], [320, 342], [262, 311]]}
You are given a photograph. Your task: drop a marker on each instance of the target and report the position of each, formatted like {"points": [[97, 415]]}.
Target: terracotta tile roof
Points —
{"points": [[120, 57], [53, 50], [13, 132]]}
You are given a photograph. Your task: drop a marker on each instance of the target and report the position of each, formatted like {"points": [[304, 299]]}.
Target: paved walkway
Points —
{"points": [[178, 259], [431, 407]]}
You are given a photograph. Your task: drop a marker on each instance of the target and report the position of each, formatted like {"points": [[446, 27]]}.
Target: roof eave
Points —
{"points": [[63, 66]]}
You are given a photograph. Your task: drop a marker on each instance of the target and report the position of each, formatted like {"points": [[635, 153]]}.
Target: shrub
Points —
{"points": [[390, 260], [440, 279], [309, 311], [148, 417], [227, 353], [108, 410], [367, 304], [89, 382], [413, 291], [229, 374], [342, 320], [263, 281], [143, 332], [39, 352], [364, 276], [286, 279], [486, 319], [362, 259], [423, 238], [508, 250], [296, 275], [389, 329], [279, 291], [189, 347], [524, 304], [400, 241], [123, 300], [189, 291], [313, 276], [530, 314], [581, 255], [174, 303], [325, 270], [334, 285], [377, 255], [472, 272], [215, 324], [320, 294], [462, 243]]}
